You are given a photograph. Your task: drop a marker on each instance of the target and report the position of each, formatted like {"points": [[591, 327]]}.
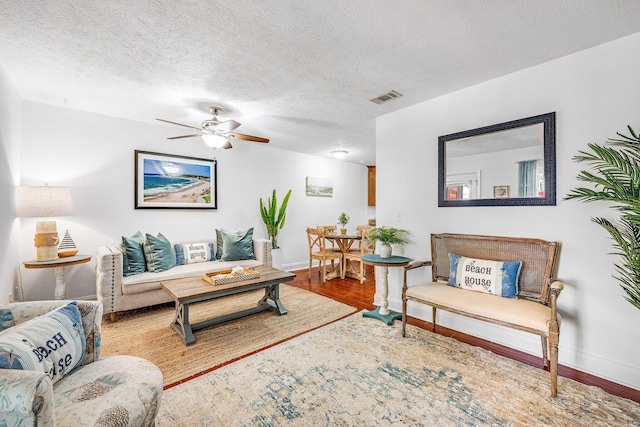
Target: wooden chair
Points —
{"points": [[330, 229], [318, 250], [367, 246]]}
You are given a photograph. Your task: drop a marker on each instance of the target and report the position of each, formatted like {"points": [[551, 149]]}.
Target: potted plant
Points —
{"points": [[274, 218], [388, 236], [343, 220], [616, 179]]}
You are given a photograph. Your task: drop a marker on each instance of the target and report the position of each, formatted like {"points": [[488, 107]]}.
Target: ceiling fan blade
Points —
{"points": [[185, 136], [179, 124], [227, 145], [227, 126], [247, 137]]}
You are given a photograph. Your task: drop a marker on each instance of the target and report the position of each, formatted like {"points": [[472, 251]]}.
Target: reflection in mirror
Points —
{"points": [[510, 163]]}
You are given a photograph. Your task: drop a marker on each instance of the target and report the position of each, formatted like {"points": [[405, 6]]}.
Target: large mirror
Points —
{"points": [[507, 164]]}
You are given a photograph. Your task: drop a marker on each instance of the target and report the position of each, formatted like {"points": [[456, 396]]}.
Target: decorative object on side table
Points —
{"points": [[343, 220], [382, 312], [388, 236], [67, 247], [616, 180]]}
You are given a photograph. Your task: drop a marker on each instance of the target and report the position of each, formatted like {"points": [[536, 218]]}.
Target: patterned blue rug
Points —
{"points": [[360, 372]]}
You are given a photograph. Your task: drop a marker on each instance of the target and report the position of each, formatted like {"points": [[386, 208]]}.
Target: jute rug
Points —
{"points": [[146, 333], [360, 372]]}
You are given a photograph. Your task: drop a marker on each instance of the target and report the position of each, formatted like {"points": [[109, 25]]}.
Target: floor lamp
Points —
{"points": [[45, 201]]}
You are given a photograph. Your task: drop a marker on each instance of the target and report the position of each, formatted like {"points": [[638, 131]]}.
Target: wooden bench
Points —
{"points": [[533, 311]]}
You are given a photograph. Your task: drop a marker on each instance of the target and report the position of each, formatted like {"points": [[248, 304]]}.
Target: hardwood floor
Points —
{"points": [[350, 291]]}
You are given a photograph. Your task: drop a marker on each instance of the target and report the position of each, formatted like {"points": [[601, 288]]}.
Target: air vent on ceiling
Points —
{"points": [[389, 96]]}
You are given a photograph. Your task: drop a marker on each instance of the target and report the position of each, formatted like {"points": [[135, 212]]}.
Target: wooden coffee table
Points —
{"points": [[195, 289]]}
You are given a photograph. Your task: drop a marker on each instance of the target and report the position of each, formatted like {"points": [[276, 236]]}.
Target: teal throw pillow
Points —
{"points": [[237, 246], [133, 261], [158, 253]]}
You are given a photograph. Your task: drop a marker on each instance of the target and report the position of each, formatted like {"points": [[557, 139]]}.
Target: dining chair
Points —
{"points": [[367, 246], [330, 229], [318, 250]]}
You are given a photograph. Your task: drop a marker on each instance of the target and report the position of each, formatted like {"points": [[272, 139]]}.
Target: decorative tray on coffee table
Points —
{"points": [[224, 276]]}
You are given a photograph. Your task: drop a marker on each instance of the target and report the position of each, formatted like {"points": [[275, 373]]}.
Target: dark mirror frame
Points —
{"points": [[549, 121]]}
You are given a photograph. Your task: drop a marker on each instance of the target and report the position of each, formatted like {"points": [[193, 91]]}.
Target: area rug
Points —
{"points": [[146, 333], [360, 372]]}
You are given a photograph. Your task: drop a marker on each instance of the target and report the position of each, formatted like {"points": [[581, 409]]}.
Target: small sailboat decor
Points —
{"points": [[67, 247]]}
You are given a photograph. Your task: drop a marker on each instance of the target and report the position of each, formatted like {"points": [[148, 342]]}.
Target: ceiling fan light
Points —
{"points": [[339, 154], [215, 141]]}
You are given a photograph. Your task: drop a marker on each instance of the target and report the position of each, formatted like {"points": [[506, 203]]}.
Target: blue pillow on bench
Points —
{"points": [[492, 277]]}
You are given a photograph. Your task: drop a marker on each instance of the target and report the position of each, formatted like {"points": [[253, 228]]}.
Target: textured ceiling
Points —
{"points": [[298, 72]]}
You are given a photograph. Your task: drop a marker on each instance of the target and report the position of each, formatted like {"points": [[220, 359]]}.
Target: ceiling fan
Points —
{"points": [[216, 134]]}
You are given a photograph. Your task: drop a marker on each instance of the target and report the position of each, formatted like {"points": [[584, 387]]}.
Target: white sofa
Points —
{"points": [[119, 293], [115, 390]]}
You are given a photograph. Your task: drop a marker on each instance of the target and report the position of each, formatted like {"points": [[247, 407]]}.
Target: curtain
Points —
{"points": [[527, 178]]}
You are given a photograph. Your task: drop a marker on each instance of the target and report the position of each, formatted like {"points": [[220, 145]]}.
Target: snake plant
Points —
{"points": [[616, 179], [274, 218]]}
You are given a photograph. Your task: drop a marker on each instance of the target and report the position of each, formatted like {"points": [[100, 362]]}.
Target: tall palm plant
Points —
{"points": [[273, 217], [616, 179]]}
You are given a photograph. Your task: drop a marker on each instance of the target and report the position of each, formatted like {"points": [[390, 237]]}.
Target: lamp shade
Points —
{"points": [[44, 201]]}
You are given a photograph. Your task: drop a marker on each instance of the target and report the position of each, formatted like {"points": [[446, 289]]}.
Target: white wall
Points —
{"points": [[595, 95], [10, 118], [94, 155]]}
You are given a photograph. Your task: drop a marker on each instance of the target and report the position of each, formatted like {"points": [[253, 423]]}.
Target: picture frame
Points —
{"points": [[500, 191], [316, 186], [170, 181]]}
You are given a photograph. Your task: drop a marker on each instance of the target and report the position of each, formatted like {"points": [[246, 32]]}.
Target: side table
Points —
{"points": [[59, 264], [382, 312]]}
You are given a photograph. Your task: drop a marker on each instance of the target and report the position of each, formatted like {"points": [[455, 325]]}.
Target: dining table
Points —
{"points": [[344, 242]]}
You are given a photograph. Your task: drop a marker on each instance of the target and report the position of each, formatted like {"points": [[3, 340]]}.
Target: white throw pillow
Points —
{"points": [[53, 343]]}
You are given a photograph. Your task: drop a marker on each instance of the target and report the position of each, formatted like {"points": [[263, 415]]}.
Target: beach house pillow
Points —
{"points": [[158, 253], [493, 277], [235, 246], [191, 253], [53, 343], [133, 261]]}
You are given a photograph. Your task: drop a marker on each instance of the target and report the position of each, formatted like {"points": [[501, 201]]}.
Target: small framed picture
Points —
{"points": [[500, 191]]}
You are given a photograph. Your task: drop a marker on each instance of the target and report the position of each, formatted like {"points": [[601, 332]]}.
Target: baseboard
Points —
{"points": [[598, 366]]}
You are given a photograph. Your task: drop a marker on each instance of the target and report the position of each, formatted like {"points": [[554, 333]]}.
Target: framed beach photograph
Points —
{"points": [[169, 181], [319, 186]]}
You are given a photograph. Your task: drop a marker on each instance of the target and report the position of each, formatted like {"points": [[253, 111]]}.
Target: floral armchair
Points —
{"points": [[115, 390]]}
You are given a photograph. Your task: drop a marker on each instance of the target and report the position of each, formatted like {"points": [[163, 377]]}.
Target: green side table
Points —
{"points": [[382, 312]]}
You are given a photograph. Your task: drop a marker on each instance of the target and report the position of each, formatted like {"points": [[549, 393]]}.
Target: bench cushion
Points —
{"points": [[521, 313]]}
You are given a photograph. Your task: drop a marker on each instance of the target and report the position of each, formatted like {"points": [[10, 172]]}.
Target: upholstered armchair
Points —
{"points": [[115, 390]]}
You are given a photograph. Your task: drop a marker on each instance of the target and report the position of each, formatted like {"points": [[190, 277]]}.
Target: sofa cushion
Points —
{"points": [[235, 246], [158, 253], [492, 277], [191, 253], [133, 261], [151, 281], [53, 343]]}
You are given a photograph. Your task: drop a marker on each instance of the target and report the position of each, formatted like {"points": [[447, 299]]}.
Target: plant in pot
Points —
{"points": [[343, 220], [616, 179], [273, 217], [388, 236]]}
